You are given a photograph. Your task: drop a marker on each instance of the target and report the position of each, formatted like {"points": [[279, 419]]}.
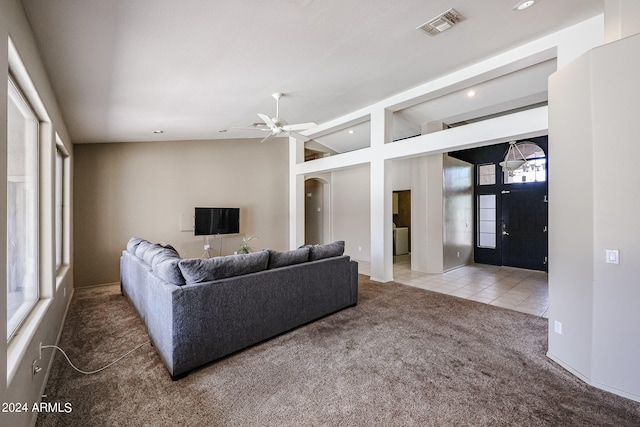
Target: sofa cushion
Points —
{"points": [[142, 248], [165, 266], [152, 251], [169, 250], [326, 251], [132, 244], [196, 270], [282, 259]]}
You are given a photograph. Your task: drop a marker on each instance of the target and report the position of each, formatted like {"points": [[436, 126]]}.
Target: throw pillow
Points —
{"points": [[165, 266], [282, 259], [168, 246], [168, 269], [326, 251], [197, 270]]}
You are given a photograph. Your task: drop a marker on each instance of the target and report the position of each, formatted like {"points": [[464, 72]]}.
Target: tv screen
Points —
{"points": [[211, 221]]}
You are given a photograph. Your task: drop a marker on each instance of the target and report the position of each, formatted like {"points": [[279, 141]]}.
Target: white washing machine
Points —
{"points": [[401, 241]]}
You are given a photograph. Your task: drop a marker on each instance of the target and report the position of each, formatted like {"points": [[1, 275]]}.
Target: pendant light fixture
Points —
{"points": [[513, 161]]}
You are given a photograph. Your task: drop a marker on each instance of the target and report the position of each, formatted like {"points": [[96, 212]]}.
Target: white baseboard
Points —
{"points": [[595, 384]]}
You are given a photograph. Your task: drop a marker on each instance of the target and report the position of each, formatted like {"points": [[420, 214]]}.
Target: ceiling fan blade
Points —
{"points": [[299, 136], [268, 137], [267, 120], [251, 128], [300, 126]]}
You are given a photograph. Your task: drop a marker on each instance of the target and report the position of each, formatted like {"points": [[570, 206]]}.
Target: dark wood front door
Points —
{"points": [[524, 229]]}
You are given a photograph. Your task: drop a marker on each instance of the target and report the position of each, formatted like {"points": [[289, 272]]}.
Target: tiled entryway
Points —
{"points": [[521, 290]]}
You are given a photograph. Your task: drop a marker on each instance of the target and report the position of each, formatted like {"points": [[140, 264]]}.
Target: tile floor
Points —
{"points": [[521, 290]]}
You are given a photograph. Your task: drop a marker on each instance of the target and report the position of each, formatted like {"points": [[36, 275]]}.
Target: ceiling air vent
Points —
{"points": [[441, 23]]}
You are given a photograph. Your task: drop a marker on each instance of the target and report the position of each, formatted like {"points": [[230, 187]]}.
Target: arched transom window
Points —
{"points": [[533, 170]]}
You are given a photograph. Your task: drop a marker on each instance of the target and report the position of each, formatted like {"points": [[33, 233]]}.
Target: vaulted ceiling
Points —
{"points": [[195, 69]]}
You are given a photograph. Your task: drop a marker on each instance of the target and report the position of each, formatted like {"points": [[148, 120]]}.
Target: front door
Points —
{"points": [[524, 229]]}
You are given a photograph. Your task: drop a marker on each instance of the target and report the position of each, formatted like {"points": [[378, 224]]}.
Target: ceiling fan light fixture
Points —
{"points": [[277, 126]]}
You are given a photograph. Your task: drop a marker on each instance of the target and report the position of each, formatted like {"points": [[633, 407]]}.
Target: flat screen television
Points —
{"points": [[210, 221]]}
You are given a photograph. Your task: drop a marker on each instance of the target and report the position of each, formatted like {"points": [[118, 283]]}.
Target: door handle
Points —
{"points": [[505, 233]]}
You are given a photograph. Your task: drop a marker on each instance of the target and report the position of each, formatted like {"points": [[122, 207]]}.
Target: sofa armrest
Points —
{"points": [[133, 281], [159, 320], [353, 277]]}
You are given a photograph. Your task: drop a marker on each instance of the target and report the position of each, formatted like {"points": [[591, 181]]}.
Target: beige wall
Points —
{"points": [[621, 19], [144, 189], [593, 119]]}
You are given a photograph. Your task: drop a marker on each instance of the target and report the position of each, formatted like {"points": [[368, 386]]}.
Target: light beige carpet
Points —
{"points": [[404, 356]]}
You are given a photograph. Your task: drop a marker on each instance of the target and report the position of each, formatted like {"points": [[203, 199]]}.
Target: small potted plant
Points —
{"points": [[244, 248]]}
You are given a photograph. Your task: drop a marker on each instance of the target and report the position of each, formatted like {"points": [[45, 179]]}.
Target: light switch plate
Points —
{"points": [[557, 327], [613, 256]]}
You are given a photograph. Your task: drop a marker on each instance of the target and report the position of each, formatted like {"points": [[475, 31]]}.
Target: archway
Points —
{"points": [[317, 208]]}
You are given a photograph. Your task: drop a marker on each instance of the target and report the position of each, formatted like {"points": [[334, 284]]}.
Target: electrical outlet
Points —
{"points": [[557, 327], [35, 369], [612, 256]]}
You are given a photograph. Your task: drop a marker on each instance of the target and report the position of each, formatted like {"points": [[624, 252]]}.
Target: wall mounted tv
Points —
{"points": [[210, 221]]}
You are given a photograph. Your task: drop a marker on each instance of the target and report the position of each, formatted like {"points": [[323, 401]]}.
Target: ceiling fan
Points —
{"points": [[278, 126]]}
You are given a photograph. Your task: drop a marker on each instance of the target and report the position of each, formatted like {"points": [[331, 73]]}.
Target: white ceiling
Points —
{"points": [[122, 69]]}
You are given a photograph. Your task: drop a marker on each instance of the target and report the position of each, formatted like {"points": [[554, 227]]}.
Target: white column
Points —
{"points": [[381, 190], [419, 214], [296, 194]]}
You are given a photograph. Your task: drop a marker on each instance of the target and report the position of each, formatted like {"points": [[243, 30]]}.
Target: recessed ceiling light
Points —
{"points": [[351, 131], [158, 131], [471, 93], [524, 4]]}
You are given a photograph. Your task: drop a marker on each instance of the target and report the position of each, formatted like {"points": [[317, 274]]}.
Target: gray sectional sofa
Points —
{"points": [[199, 310]]}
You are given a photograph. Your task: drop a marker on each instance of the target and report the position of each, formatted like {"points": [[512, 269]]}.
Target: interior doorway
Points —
{"points": [[313, 212], [401, 209]]}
